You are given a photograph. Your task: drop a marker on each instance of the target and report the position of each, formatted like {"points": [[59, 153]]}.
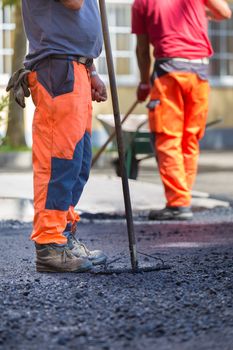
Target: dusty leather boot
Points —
{"points": [[58, 258]]}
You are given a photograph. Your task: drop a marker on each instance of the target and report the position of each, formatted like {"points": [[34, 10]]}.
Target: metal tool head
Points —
{"points": [[119, 265], [119, 270]]}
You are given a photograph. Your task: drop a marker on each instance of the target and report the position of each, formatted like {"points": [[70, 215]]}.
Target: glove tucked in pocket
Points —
{"points": [[19, 84], [155, 117]]}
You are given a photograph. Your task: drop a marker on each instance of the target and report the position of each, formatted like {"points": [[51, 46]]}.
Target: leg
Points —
{"points": [[58, 140], [172, 171], [167, 121], [85, 170], [196, 109], [61, 93], [77, 248], [82, 177]]}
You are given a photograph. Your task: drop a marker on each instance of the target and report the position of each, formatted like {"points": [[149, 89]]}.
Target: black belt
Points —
{"points": [[80, 59]]}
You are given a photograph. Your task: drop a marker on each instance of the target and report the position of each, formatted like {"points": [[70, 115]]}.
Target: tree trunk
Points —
{"points": [[15, 135]]}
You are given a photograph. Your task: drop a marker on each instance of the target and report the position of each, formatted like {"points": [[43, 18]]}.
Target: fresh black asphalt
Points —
{"points": [[188, 306]]}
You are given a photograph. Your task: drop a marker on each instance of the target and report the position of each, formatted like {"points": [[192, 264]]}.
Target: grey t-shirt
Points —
{"points": [[51, 28]]}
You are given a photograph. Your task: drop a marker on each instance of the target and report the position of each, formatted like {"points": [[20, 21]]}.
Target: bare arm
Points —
{"points": [[219, 9], [72, 4], [143, 57]]}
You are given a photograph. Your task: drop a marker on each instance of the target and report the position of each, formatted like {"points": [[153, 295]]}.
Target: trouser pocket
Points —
{"points": [[56, 75], [155, 116]]}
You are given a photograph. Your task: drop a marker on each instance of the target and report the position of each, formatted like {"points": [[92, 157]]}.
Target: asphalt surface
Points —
{"points": [[185, 304]]}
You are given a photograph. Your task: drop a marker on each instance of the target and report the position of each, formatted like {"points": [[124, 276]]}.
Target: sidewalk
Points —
{"points": [[102, 194]]}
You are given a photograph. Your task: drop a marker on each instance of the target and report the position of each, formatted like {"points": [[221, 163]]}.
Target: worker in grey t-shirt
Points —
{"points": [[64, 37], [52, 28]]}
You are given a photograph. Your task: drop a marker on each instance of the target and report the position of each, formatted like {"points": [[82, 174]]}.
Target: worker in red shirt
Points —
{"points": [[178, 88]]}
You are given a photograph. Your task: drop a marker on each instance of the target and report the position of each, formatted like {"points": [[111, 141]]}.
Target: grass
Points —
{"points": [[7, 148]]}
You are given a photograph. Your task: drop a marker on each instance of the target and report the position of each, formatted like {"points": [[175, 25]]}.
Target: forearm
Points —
{"points": [[218, 10], [72, 4], [144, 61]]}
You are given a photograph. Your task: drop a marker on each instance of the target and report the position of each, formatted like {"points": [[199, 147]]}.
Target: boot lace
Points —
{"points": [[66, 254], [81, 245]]}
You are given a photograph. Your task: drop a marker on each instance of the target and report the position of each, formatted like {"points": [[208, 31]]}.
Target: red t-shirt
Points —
{"points": [[176, 28]]}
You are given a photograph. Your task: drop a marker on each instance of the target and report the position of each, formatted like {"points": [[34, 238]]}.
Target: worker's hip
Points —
{"points": [[60, 77], [199, 66], [178, 101], [61, 92]]}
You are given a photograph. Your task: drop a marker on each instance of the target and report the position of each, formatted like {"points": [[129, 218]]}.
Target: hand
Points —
{"points": [[98, 89], [143, 91]]}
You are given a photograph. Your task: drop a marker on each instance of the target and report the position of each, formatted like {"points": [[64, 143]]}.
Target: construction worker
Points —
{"points": [[64, 37], [178, 88]]}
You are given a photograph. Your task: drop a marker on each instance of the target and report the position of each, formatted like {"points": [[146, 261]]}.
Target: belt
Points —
{"points": [[80, 59], [204, 60]]}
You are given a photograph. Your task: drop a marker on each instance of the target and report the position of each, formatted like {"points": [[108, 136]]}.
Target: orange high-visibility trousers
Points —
{"points": [[61, 92], [178, 121]]}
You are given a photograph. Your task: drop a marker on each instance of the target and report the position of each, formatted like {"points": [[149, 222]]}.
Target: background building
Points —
{"points": [[123, 46]]}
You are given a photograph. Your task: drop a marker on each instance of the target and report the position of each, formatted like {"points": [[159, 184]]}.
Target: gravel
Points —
{"points": [[186, 306]]}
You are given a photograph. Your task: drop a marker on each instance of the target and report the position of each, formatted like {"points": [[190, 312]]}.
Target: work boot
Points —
{"points": [[171, 213], [97, 257], [59, 258]]}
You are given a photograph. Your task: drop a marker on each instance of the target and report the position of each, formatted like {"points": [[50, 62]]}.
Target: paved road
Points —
{"points": [[185, 307]]}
